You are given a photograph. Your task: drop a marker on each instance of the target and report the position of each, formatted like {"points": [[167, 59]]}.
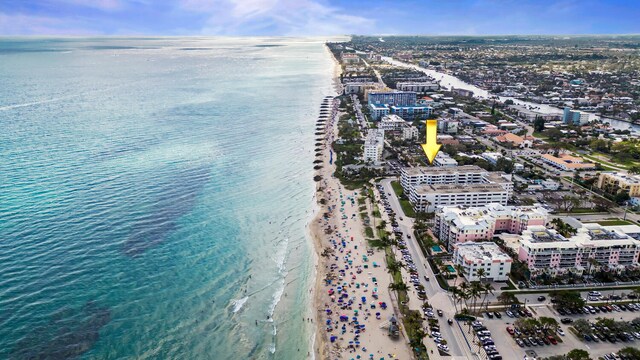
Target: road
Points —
{"points": [[437, 298], [374, 70]]}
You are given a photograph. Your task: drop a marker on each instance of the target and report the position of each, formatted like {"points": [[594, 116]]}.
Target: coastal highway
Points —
{"points": [[436, 296]]}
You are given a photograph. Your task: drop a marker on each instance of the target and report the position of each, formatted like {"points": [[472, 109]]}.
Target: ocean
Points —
{"points": [[154, 196]]}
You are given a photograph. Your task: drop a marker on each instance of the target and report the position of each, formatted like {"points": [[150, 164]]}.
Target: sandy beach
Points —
{"points": [[352, 300]]}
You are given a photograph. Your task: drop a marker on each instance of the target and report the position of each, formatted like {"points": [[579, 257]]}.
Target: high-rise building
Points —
{"points": [[373, 146], [470, 185], [397, 98], [574, 117]]}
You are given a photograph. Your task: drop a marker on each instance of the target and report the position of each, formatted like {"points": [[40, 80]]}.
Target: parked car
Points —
{"points": [[497, 314], [541, 298], [566, 321]]}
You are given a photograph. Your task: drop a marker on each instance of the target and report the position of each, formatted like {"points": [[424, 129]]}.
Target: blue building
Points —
{"points": [[574, 117], [397, 98]]}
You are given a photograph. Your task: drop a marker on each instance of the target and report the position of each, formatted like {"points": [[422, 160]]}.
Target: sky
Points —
{"points": [[317, 17]]}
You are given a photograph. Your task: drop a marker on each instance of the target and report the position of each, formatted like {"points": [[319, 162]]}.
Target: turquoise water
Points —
{"points": [[154, 194], [451, 269], [436, 248]]}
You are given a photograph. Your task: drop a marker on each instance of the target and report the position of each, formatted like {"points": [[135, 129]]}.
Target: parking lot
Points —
{"points": [[509, 349]]}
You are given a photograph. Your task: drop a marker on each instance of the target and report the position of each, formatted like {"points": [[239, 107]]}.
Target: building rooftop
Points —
{"points": [[627, 178], [499, 177], [393, 118], [458, 188], [424, 170], [469, 216], [568, 160], [480, 252], [587, 236], [374, 137]]}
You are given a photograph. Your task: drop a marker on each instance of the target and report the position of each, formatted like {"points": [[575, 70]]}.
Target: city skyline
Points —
{"points": [[317, 17]]}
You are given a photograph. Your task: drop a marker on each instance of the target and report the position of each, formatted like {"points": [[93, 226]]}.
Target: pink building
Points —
{"points": [[546, 251], [458, 224]]}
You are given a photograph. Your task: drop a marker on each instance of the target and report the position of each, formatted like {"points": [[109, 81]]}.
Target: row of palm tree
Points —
{"points": [[471, 295]]}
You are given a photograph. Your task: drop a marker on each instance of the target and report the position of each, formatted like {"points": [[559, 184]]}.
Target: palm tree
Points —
{"points": [[455, 295], [481, 274], [507, 298], [592, 262], [459, 271], [394, 266], [487, 289], [398, 286], [475, 292], [464, 293]]}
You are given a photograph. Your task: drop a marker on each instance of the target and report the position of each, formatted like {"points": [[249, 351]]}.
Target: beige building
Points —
{"points": [[614, 182]]}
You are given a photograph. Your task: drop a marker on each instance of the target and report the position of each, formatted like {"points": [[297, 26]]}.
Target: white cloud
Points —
{"points": [[21, 24], [105, 5], [282, 17]]}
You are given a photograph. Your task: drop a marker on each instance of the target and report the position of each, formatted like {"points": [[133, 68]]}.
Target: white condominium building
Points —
{"points": [[429, 197], [417, 86], [469, 185], [410, 133], [392, 122], [373, 146], [467, 174], [472, 256], [442, 159], [546, 251]]}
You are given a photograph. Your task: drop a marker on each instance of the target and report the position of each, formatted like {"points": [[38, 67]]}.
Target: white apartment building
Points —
{"points": [[418, 87], [443, 159], [350, 58], [429, 197], [410, 133], [392, 122], [467, 174], [546, 251], [373, 146], [448, 126], [472, 256], [469, 185], [359, 87], [493, 157]]}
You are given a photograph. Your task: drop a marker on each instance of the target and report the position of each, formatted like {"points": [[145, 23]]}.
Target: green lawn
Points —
{"points": [[404, 203], [407, 208], [611, 222], [539, 136], [582, 211], [603, 162], [397, 188]]}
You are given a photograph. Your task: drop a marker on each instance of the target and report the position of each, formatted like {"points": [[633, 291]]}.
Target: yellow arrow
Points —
{"points": [[431, 148]]}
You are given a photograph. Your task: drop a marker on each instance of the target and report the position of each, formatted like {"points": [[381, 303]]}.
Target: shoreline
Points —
{"points": [[353, 308], [320, 341]]}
